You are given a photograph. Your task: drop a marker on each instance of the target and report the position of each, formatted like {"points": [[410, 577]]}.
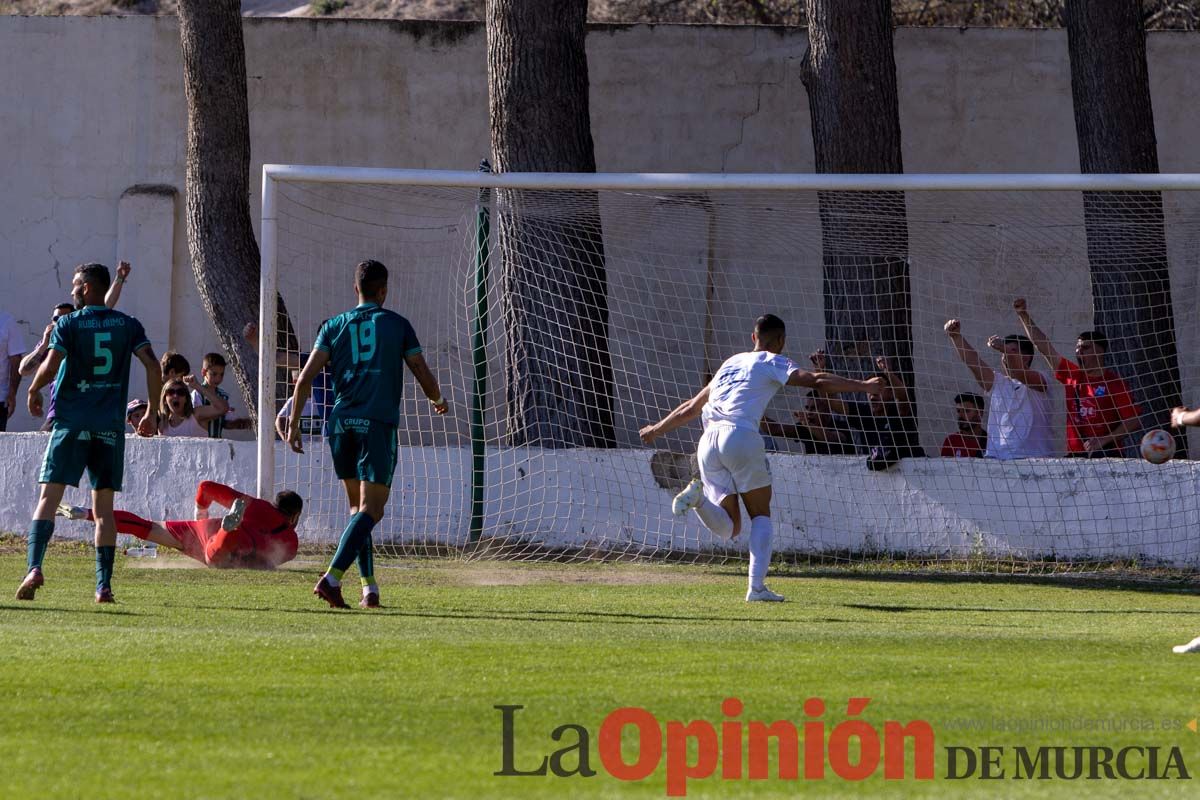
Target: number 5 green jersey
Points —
{"points": [[367, 347], [92, 386]]}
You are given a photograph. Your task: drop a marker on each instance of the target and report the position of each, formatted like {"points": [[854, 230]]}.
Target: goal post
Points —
{"points": [[508, 277]]}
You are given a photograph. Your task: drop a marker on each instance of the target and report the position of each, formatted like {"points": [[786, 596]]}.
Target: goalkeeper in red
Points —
{"points": [[254, 534], [366, 349]]}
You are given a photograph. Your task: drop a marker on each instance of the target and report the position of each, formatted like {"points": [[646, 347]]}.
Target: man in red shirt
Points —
{"points": [[1100, 408], [971, 439], [254, 534]]}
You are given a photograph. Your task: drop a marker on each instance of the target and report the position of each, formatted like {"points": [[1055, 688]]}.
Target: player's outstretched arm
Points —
{"points": [[149, 424], [984, 375], [316, 362], [113, 295], [209, 492], [427, 382], [684, 413], [828, 383], [44, 376], [1041, 342]]}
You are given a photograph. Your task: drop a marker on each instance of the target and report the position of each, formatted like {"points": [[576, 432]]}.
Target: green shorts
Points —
{"points": [[70, 452], [363, 449]]}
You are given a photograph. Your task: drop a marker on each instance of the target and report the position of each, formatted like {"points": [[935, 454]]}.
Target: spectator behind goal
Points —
{"points": [[174, 366], [1101, 413], [886, 422], [971, 439], [1018, 424], [212, 371]]}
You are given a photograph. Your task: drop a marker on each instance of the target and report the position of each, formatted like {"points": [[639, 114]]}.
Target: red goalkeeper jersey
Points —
{"points": [[265, 539]]}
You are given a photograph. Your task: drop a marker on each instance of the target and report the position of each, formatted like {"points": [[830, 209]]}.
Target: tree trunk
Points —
{"points": [[850, 74], [1126, 239], [225, 257], [555, 288]]}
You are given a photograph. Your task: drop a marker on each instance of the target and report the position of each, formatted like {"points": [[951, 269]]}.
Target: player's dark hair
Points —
{"points": [[95, 274], [371, 278], [1096, 337], [1023, 342], [175, 362], [769, 328], [289, 503], [62, 307], [212, 360], [969, 399]]}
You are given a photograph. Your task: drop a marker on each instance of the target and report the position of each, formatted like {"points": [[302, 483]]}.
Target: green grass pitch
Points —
{"points": [[204, 684]]}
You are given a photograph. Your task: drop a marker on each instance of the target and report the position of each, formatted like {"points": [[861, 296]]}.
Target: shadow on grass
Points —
{"points": [[59, 610], [534, 615], [999, 610], [1173, 585]]}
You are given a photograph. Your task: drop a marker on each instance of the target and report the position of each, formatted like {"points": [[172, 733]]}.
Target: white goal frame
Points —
{"points": [[274, 174]]}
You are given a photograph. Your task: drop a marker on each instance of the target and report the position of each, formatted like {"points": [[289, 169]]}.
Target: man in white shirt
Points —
{"points": [[733, 461], [12, 347], [1020, 408]]}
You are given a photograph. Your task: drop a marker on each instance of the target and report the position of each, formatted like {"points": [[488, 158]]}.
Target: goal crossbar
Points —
{"points": [[699, 181]]}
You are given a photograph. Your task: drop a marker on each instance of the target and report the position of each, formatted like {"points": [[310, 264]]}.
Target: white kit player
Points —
{"points": [[733, 460]]}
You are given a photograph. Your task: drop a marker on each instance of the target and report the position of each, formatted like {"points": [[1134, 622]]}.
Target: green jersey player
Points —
{"points": [[88, 361], [365, 349]]}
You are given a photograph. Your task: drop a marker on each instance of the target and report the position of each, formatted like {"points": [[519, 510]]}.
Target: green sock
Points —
{"points": [[366, 561], [105, 555], [40, 531], [357, 529]]}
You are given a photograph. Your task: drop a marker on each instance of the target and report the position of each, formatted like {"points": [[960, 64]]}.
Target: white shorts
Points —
{"points": [[732, 461]]}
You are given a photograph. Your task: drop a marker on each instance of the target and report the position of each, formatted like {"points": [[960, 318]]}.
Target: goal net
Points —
{"points": [[562, 313]]}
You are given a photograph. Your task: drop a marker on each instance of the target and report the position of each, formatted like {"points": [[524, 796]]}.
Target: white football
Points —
{"points": [[1158, 446]]}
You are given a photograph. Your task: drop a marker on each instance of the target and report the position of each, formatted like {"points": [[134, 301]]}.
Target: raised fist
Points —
{"points": [[1019, 305], [952, 326]]}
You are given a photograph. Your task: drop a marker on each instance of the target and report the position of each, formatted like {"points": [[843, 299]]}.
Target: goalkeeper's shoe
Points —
{"points": [[105, 595], [233, 520], [688, 499], [1191, 647], [71, 512], [329, 593], [33, 581], [763, 595], [369, 600]]}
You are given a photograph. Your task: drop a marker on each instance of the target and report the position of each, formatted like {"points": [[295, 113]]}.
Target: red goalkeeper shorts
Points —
{"points": [[194, 537]]}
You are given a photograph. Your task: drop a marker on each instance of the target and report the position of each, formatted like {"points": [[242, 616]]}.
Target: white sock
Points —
{"points": [[760, 550], [715, 518], [334, 582], [371, 589]]}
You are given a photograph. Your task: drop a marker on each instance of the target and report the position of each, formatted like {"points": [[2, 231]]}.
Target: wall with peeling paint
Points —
{"points": [[964, 508]]}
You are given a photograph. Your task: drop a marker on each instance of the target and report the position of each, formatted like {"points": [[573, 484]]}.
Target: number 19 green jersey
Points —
{"points": [[367, 347], [92, 386]]}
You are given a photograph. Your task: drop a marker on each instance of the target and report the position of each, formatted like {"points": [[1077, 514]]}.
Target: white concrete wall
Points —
{"points": [[90, 107], [611, 501]]}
